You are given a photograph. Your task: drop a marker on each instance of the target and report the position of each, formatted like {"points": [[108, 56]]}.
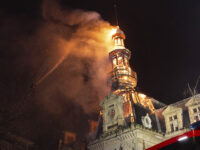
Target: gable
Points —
{"points": [[170, 109], [193, 101]]}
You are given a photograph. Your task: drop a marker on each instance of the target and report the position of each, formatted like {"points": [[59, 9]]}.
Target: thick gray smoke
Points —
{"points": [[76, 45]]}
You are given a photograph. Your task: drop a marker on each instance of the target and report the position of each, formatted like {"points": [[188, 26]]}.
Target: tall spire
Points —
{"points": [[115, 8], [118, 38], [123, 78]]}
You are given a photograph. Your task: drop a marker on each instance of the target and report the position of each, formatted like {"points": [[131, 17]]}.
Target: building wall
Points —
{"points": [[137, 137], [134, 138], [169, 114]]}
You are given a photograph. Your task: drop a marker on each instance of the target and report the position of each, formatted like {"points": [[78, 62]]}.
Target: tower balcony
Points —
{"points": [[120, 52], [123, 71], [124, 82]]}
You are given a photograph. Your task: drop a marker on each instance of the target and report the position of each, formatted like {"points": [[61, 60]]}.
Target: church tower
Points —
{"points": [[130, 120], [127, 117], [124, 79]]}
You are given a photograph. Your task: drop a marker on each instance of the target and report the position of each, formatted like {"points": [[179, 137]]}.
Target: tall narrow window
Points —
{"points": [[173, 120], [114, 62], [172, 127], [170, 119], [119, 41]]}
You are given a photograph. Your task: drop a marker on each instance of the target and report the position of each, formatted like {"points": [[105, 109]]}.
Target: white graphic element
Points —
{"points": [[146, 121]]}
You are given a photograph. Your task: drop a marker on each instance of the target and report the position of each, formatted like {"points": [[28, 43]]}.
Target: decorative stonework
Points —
{"points": [[112, 108], [136, 137], [146, 121]]}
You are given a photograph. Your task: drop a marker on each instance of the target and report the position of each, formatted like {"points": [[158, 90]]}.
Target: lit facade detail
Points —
{"points": [[123, 78], [132, 120]]}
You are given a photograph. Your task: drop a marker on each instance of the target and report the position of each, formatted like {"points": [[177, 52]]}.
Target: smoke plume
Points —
{"points": [[75, 64], [63, 55]]}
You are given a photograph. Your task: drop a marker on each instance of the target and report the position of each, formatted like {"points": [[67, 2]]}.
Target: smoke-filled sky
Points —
{"points": [[54, 58], [54, 70]]}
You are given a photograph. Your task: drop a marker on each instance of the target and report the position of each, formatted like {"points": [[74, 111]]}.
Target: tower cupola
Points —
{"points": [[118, 38]]}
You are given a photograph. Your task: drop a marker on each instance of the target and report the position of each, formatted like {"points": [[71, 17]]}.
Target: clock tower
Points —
{"points": [[118, 108], [128, 119]]}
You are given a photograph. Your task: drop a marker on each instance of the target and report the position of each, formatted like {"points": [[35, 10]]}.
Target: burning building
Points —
{"points": [[131, 120]]}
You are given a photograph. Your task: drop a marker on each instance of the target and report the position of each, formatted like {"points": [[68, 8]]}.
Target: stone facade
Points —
{"points": [[134, 138], [112, 109], [130, 120], [173, 118], [139, 137]]}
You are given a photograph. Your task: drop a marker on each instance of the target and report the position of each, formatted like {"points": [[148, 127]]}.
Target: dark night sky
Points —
{"points": [[163, 36]]}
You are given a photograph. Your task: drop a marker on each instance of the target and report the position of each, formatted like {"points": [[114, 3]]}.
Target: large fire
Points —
{"points": [[113, 31]]}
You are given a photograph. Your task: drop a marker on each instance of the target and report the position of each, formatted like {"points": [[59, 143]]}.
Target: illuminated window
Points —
{"points": [[115, 41], [119, 41], [122, 42], [173, 121], [120, 62], [114, 62]]}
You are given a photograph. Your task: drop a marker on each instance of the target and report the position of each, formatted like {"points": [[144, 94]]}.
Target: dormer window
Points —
{"points": [[194, 109], [173, 118], [196, 112], [173, 121]]}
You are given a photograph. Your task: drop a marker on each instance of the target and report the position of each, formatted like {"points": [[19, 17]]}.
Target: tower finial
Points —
{"points": [[115, 8]]}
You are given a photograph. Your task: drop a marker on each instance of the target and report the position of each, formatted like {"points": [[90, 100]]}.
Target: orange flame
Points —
{"points": [[113, 31]]}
